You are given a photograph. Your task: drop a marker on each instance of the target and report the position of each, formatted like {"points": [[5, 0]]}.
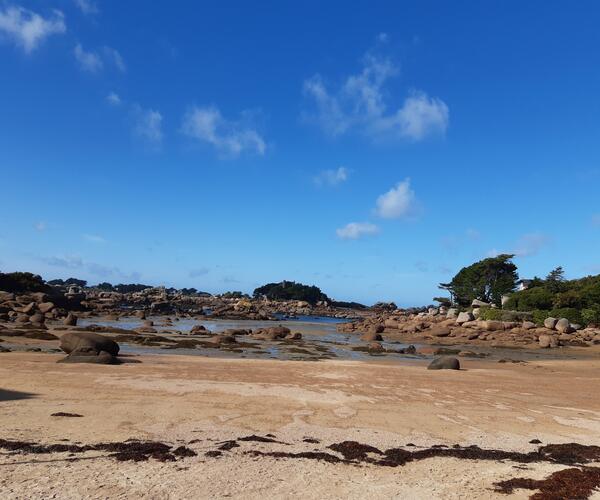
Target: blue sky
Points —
{"points": [[372, 150]]}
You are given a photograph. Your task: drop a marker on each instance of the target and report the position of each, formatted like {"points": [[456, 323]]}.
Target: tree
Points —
{"points": [[443, 301], [557, 274], [290, 290], [555, 280], [20, 282], [105, 286], [487, 280]]}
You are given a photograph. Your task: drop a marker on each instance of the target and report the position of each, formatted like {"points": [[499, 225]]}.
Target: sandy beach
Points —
{"points": [[201, 402]]}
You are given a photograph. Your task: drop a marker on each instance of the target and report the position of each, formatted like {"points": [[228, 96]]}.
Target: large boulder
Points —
{"points": [[550, 323], [528, 325], [371, 336], [102, 358], [452, 313], [546, 341], [45, 307], [444, 363], [440, 331], [88, 342], [479, 303], [492, 326], [463, 317], [388, 323], [272, 333], [70, 320], [563, 326]]}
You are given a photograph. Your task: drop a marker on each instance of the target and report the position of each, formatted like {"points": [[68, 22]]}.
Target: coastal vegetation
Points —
{"points": [[290, 290], [20, 282], [578, 300], [491, 279], [486, 280]]}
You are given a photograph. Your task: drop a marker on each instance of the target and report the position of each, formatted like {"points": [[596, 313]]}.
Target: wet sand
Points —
{"points": [[200, 402]]}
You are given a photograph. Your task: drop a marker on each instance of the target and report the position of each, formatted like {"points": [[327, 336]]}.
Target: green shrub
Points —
{"points": [[591, 316], [490, 314], [573, 315], [539, 316], [531, 299]]}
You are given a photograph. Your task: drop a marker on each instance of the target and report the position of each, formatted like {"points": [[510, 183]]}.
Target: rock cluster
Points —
{"points": [[450, 326]]}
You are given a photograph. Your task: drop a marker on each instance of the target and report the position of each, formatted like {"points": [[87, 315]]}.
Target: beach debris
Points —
{"points": [[575, 483]]}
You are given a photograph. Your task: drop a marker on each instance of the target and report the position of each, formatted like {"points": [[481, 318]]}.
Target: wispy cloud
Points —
{"points": [[93, 238], [94, 61], [89, 61], [356, 230], [596, 220], [40, 226], [87, 6], [100, 270], [472, 234], [67, 262], [399, 202], [331, 177], [194, 273], [113, 99], [229, 138], [360, 104], [114, 56], [526, 246], [530, 244], [230, 280], [27, 29], [148, 125]]}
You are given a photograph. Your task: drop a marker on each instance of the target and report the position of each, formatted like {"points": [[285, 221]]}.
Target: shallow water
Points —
{"points": [[320, 340]]}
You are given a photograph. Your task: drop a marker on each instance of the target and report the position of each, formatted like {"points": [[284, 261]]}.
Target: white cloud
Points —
{"points": [[526, 246], [114, 57], [94, 61], [398, 202], [148, 125], [94, 238], [86, 6], [27, 29], [228, 137], [88, 61], [530, 244], [40, 226], [360, 104], [419, 117], [332, 177], [356, 230], [113, 98]]}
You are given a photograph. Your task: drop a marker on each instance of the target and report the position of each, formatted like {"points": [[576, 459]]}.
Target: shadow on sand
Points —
{"points": [[6, 395]]}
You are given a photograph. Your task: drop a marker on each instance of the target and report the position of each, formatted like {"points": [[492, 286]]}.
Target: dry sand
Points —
{"points": [[178, 399]]}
